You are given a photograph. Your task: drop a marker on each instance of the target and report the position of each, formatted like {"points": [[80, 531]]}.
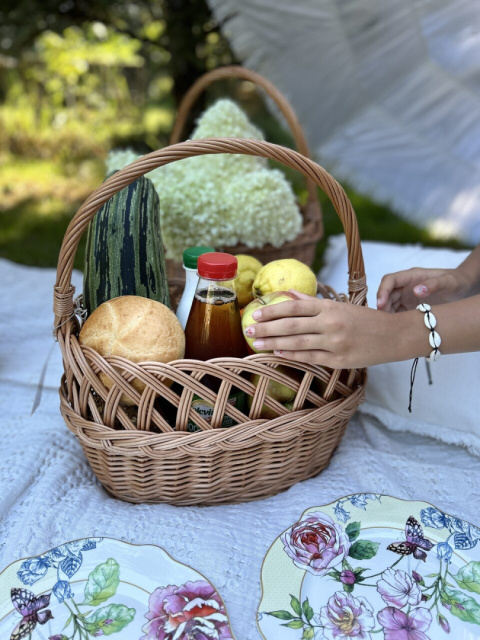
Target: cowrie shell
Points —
{"points": [[434, 339], [430, 320]]}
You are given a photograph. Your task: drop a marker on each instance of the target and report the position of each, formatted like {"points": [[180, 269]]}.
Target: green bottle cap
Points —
{"points": [[191, 255]]}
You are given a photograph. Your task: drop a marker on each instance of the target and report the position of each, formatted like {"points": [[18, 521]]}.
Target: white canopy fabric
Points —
{"points": [[388, 93]]}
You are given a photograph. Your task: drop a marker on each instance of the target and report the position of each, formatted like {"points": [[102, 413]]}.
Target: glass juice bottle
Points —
{"points": [[214, 327]]}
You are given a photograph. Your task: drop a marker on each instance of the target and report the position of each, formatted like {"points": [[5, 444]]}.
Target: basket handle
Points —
{"points": [[63, 291], [270, 89]]}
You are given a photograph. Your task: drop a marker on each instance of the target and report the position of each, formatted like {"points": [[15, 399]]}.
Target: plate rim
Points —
{"points": [[328, 504]]}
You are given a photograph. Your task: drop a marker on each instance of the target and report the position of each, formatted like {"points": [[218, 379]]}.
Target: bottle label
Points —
{"points": [[205, 410]]}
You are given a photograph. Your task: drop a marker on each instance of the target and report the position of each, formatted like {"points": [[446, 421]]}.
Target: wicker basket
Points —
{"points": [[303, 247], [145, 453]]}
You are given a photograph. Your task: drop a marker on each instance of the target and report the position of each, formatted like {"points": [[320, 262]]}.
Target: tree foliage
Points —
{"points": [[178, 37]]}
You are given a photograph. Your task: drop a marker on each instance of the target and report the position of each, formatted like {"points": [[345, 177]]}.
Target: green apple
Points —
{"points": [[266, 413], [277, 390], [270, 298]]}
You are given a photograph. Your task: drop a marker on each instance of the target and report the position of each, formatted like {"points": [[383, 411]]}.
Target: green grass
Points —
{"points": [[38, 200], [32, 239]]}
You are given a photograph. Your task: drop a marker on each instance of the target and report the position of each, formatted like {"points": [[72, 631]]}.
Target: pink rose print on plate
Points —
{"points": [[397, 625], [348, 577], [398, 588], [193, 610], [316, 543], [346, 617]]}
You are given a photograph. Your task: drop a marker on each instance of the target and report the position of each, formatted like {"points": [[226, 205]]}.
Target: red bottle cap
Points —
{"points": [[217, 266]]}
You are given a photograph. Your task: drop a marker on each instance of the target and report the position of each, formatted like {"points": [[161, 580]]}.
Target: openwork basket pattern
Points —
{"points": [[144, 452]]}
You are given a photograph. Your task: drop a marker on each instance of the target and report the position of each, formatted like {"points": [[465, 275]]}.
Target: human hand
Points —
{"points": [[337, 335], [404, 290]]}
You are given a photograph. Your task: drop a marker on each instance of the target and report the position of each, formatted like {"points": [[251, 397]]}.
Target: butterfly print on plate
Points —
{"points": [[28, 606], [415, 542]]}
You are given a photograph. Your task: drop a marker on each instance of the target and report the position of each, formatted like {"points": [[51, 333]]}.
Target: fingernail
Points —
{"points": [[250, 331], [379, 302], [420, 290], [278, 352], [256, 315], [259, 344]]}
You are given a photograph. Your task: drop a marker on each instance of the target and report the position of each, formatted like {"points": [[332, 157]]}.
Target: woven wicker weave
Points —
{"points": [[134, 451], [303, 247]]}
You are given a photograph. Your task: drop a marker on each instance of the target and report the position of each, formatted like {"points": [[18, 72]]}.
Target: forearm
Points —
{"points": [[471, 268], [458, 324], [347, 336]]}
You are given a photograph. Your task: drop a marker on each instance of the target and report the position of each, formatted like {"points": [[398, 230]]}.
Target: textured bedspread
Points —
{"points": [[49, 495]]}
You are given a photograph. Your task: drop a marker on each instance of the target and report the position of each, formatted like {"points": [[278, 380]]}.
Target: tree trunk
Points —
{"points": [[185, 30]]}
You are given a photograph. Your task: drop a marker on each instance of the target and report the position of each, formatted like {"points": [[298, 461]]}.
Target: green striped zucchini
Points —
{"points": [[124, 254]]}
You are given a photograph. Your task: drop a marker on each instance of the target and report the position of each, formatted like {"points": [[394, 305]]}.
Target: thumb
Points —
{"points": [[421, 291], [434, 285]]}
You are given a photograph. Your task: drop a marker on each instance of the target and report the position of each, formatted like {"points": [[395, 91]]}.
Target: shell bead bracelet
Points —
{"points": [[433, 338], [435, 341]]}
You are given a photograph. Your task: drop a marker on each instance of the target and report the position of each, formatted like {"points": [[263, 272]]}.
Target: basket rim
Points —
{"points": [[85, 365], [310, 233]]}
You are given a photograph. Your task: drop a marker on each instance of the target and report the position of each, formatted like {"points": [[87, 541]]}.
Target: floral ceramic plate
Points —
{"points": [[370, 566], [100, 587]]}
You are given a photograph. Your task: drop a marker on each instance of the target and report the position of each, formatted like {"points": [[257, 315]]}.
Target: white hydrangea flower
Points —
{"points": [[225, 119], [191, 212], [221, 200], [119, 158], [265, 207]]}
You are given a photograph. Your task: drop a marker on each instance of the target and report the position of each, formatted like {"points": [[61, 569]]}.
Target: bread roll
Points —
{"points": [[135, 328]]}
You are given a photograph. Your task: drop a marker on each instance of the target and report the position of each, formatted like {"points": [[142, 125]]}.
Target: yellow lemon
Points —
{"points": [[248, 267], [281, 275]]}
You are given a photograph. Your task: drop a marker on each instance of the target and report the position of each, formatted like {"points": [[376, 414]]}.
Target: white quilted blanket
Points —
{"points": [[49, 495]]}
